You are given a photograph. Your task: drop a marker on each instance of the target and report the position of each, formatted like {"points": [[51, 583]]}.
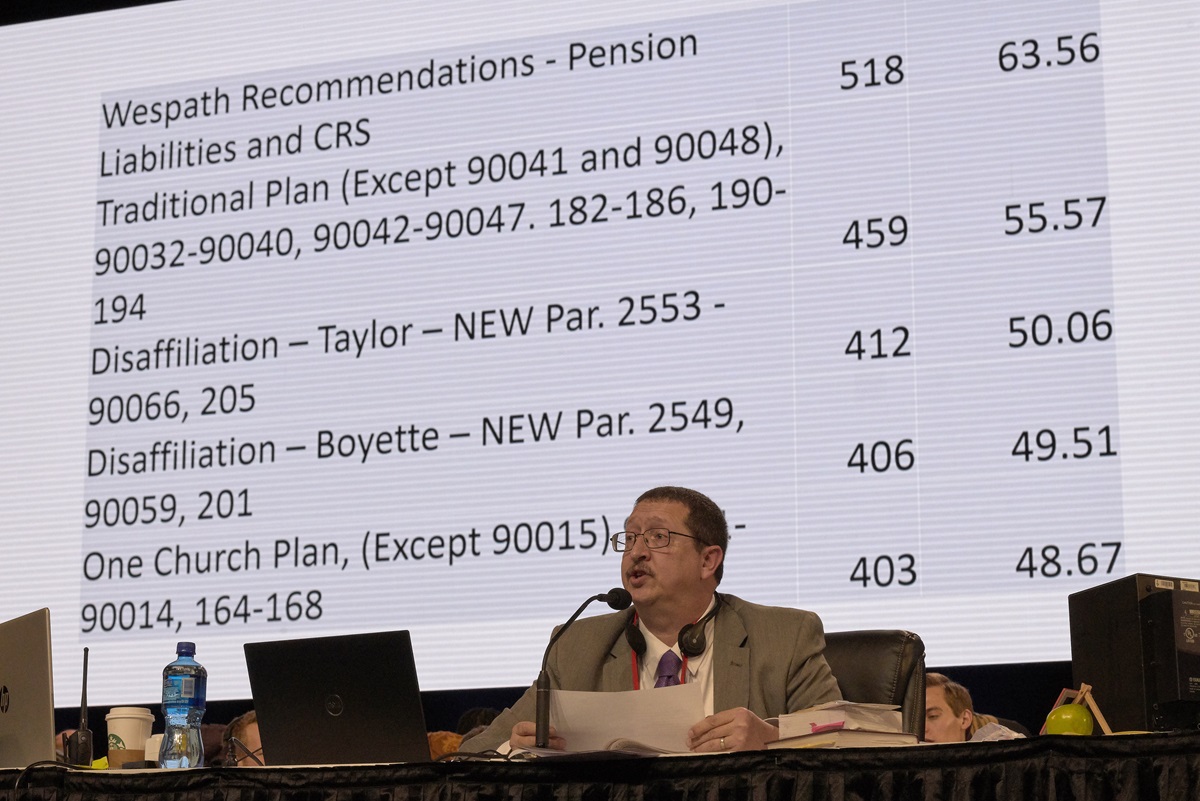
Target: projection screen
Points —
{"points": [[323, 318]]}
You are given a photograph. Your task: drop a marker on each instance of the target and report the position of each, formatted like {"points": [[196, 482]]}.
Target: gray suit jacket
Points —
{"points": [[768, 659]]}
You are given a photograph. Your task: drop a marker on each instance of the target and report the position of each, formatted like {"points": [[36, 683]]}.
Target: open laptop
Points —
{"points": [[350, 699], [26, 691]]}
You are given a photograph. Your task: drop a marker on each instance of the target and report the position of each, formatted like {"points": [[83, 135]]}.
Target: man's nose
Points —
{"points": [[638, 548]]}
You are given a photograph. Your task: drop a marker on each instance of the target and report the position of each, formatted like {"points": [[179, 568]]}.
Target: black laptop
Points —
{"points": [[350, 699]]}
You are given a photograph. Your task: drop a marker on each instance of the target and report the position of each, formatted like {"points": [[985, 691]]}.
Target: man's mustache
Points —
{"points": [[642, 568]]}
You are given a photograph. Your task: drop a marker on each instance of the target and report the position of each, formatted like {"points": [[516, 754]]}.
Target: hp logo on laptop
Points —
{"points": [[334, 705]]}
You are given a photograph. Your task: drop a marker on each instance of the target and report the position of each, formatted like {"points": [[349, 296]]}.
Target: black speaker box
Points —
{"points": [[1136, 641]]}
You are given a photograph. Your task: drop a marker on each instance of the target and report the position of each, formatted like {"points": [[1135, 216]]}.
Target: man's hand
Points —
{"points": [[524, 735], [732, 730]]}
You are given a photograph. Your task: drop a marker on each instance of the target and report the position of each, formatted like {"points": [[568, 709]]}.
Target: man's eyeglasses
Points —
{"points": [[653, 537], [239, 751]]}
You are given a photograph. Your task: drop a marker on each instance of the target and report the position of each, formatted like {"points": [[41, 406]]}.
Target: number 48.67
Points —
{"points": [[1048, 560]]}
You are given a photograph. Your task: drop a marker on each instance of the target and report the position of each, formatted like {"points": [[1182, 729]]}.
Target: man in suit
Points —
{"points": [[752, 662]]}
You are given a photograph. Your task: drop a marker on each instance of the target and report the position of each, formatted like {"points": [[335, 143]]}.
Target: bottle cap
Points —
{"points": [[185, 649]]}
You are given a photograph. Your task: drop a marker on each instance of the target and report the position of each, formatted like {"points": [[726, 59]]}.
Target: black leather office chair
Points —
{"points": [[881, 667]]}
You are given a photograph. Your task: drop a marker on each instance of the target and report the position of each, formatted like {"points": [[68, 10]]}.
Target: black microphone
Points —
{"points": [[618, 598], [79, 744]]}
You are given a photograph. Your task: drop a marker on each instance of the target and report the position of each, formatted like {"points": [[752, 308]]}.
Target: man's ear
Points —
{"points": [[710, 559], [966, 719]]}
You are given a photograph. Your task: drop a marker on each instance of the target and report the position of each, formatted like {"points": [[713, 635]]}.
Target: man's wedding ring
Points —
{"points": [[722, 743]]}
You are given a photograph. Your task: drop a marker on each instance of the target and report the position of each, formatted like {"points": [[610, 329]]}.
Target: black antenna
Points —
{"points": [[83, 696], [79, 744]]}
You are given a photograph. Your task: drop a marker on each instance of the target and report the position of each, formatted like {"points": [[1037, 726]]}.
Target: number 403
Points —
{"points": [[884, 571]]}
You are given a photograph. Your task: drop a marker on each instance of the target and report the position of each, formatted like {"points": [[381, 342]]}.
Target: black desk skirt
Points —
{"points": [[1159, 767]]}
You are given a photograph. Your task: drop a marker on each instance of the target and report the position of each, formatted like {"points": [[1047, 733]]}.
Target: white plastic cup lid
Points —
{"points": [[129, 712]]}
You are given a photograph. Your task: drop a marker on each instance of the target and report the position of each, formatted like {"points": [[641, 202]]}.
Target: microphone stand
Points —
{"points": [[618, 598]]}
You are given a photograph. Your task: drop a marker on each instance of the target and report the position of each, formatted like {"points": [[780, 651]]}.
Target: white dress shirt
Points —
{"points": [[699, 668]]}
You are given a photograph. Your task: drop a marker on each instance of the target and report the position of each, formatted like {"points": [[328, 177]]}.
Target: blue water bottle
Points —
{"points": [[184, 686]]}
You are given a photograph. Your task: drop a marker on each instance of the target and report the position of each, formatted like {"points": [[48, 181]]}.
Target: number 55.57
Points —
{"points": [[1038, 216]]}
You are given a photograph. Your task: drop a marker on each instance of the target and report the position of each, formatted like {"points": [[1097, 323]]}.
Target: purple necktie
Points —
{"points": [[668, 670]]}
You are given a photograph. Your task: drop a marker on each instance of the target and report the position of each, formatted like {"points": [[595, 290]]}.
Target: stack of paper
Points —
{"points": [[630, 721], [843, 724]]}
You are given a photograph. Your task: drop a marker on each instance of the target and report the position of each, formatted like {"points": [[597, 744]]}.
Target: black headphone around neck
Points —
{"points": [[692, 641]]}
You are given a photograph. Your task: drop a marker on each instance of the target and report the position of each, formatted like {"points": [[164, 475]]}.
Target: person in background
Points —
{"points": [[243, 746], [212, 735], [757, 661], [475, 720], [470, 723], [949, 713]]}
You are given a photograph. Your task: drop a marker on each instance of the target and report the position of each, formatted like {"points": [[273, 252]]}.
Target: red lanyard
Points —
{"points": [[637, 673]]}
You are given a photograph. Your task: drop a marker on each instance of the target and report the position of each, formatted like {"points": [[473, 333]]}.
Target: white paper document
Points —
{"points": [[595, 721], [841, 715]]}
